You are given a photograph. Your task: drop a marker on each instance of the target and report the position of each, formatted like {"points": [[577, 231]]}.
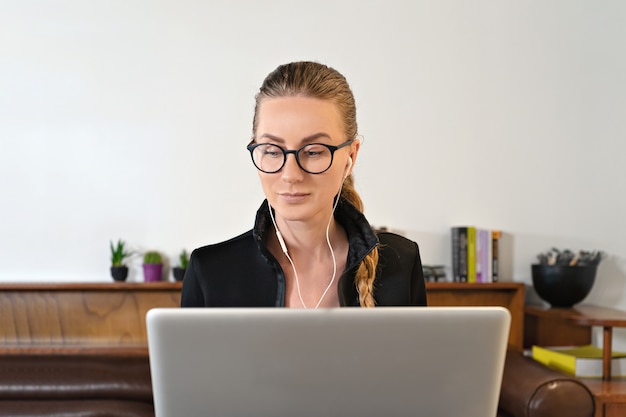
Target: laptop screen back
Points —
{"points": [[405, 361]]}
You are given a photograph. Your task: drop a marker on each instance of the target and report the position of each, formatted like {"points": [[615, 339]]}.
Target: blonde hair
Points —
{"points": [[311, 79]]}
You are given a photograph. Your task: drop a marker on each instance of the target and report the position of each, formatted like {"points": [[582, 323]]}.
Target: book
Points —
{"points": [[582, 361], [459, 254], [495, 254], [489, 255], [476, 254], [483, 248], [471, 254], [479, 248], [434, 273]]}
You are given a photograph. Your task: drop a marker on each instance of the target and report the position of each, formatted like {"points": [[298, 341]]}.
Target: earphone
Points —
{"points": [[283, 245], [348, 166], [279, 235], [281, 241]]}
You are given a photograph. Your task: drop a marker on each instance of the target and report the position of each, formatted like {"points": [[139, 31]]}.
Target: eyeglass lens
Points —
{"points": [[313, 158]]}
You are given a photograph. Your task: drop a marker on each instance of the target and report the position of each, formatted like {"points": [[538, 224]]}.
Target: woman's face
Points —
{"points": [[292, 122]]}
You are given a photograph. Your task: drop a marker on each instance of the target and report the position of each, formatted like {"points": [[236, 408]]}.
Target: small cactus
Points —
{"points": [[152, 257]]}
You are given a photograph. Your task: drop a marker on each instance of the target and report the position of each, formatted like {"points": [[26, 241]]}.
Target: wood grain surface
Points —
{"points": [[80, 315]]}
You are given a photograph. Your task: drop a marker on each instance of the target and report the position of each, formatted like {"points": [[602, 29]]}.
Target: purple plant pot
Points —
{"points": [[152, 272]]}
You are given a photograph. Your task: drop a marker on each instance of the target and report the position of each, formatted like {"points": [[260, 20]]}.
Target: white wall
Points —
{"points": [[503, 114]]}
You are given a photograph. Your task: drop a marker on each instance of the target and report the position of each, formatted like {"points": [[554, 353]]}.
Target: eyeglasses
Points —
{"points": [[313, 158]]}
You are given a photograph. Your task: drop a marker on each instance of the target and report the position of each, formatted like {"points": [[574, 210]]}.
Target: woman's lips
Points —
{"points": [[293, 197]]}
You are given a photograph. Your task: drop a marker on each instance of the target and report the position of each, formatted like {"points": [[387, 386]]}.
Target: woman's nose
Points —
{"points": [[291, 171]]}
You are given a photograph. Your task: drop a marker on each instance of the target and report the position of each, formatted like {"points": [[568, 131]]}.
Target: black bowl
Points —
{"points": [[563, 286]]}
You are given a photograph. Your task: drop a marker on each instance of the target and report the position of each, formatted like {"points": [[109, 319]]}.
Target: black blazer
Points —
{"points": [[241, 272]]}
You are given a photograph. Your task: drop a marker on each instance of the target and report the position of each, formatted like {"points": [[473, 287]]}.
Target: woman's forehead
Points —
{"points": [[301, 118]]}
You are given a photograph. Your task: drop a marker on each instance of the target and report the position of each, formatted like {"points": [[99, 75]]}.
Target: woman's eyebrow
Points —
{"points": [[307, 139]]}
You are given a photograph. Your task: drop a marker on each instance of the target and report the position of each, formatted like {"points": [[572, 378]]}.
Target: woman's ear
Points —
{"points": [[348, 166], [354, 151]]}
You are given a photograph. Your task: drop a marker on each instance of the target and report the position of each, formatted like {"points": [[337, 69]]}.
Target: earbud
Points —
{"points": [[348, 166], [279, 236], [283, 246]]}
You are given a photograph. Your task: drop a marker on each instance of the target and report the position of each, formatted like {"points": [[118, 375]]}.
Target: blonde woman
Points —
{"points": [[311, 246]]}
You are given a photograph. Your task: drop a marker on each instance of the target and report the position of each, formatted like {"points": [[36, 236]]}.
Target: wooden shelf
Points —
{"points": [[581, 315], [80, 315], [553, 326], [96, 317], [81, 350], [503, 294], [572, 326], [91, 286]]}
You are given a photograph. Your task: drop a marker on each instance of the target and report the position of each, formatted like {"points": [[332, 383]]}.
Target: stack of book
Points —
{"points": [[434, 273], [475, 254], [582, 361]]}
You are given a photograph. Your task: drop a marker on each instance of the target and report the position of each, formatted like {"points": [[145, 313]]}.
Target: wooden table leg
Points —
{"points": [[607, 345]]}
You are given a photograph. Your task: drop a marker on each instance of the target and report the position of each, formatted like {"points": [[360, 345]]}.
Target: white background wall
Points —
{"points": [[129, 119]]}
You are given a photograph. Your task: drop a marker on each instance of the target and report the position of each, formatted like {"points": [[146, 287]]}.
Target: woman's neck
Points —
{"points": [[311, 265], [308, 237]]}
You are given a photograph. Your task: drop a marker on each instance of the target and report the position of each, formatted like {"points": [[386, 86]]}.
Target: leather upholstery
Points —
{"points": [[116, 386], [529, 389], [75, 385], [75, 408]]}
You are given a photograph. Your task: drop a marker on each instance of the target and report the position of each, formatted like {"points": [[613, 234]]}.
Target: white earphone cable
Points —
{"points": [[293, 265]]}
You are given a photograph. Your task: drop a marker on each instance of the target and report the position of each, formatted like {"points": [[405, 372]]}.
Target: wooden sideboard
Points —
{"points": [[503, 294], [71, 317]]}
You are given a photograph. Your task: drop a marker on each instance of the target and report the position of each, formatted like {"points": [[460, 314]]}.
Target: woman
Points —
{"points": [[308, 248]]}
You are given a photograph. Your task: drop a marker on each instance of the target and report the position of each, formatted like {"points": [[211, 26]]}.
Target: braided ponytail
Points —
{"points": [[366, 272]]}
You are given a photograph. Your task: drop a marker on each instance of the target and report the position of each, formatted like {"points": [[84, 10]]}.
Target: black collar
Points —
{"points": [[361, 237]]}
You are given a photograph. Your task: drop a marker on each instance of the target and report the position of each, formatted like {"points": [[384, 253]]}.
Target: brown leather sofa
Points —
{"points": [[75, 385], [530, 389], [88, 385]]}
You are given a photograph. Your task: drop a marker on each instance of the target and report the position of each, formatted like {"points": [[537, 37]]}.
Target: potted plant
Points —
{"points": [[179, 271], [119, 271], [152, 266]]}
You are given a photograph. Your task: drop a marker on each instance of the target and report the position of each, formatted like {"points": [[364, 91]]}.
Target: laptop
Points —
{"points": [[338, 362]]}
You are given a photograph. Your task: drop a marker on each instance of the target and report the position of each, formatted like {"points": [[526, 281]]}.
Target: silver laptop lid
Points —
{"points": [[406, 361]]}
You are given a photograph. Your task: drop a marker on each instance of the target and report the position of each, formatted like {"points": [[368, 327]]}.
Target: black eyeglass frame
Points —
{"points": [[251, 147]]}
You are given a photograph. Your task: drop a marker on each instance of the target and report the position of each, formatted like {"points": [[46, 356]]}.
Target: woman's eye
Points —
{"points": [[272, 151], [314, 151]]}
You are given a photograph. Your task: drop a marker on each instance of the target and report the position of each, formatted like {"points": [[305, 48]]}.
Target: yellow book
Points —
{"points": [[582, 361], [471, 254]]}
